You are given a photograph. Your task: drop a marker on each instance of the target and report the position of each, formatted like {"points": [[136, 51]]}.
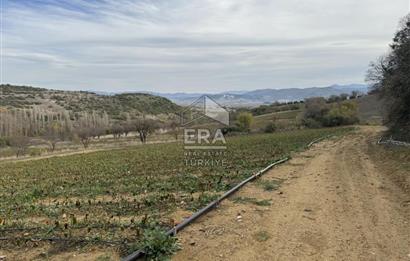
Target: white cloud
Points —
{"points": [[192, 45]]}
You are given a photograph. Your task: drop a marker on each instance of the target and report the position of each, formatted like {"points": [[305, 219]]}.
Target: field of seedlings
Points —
{"points": [[109, 198]]}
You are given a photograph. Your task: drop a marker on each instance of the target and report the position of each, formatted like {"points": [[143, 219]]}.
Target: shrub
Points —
{"points": [[35, 152], [244, 121], [270, 127], [318, 113], [344, 113], [4, 142], [312, 123]]}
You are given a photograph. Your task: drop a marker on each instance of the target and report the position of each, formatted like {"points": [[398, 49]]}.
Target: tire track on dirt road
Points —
{"points": [[334, 204]]}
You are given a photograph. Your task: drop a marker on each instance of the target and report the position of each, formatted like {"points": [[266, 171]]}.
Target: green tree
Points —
{"points": [[314, 112], [244, 121], [390, 77]]}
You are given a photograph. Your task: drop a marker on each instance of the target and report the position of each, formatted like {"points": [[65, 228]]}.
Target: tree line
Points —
{"points": [[390, 78], [21, 128]]}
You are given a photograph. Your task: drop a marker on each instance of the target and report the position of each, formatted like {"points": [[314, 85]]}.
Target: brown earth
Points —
{"points": [[337, 202], [344, 199]]}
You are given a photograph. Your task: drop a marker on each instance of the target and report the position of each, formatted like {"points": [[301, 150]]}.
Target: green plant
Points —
{"points": [[115, 195], [158, 245], [261, 236], [33, 152], [104, 258], [270, 185], [244, 121], [263, 202], [270, 127]]}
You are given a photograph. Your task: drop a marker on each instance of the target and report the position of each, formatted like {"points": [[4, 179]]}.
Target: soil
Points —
{"points": [[337, 202], [343, 199]]}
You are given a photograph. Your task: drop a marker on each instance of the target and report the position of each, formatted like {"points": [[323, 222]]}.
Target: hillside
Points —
{"points": [[79, 101], [266, 96]]}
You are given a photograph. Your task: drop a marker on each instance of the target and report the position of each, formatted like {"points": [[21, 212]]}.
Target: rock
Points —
{"points": [[239, 217], [307, 210], [2, 258], [192, 243], [280, 192]]}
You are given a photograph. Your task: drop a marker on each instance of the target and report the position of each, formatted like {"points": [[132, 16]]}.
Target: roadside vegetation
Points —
{"points": [[318, 113]]}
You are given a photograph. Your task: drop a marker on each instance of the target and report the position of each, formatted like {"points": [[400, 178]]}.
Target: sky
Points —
{"points": [[193, 45]]}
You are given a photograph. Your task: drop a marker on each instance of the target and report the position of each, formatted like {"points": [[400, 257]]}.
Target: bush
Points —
{"points": [[230, 129], [244, 121], [270, 127], [318, 113], [4, 142], [344, 113], [35, 152], [312, 123]]}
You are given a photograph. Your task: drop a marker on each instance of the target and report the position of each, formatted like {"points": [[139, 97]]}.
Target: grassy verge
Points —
{"points": [[394, 160]]}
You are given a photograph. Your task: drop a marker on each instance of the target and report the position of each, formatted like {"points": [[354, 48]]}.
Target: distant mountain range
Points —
{"points": [[264, 96]]}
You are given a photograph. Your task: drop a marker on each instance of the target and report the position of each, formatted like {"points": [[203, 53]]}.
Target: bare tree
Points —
{"points": [[97, 132], [55, 132], [117, 130], [145, 127], [174, 127], [20, 144], [85, 135], [127, 127]]}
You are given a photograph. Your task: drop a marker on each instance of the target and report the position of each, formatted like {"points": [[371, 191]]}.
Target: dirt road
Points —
{"points": [[335, 203]]}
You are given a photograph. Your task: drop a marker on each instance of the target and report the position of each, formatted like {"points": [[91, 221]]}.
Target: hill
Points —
{"points": [[79, 101], [266, 96]]}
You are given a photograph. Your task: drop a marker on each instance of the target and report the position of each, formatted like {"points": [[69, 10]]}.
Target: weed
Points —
{"points": [[261, 236], [104, 258], [264, 202], [270, 185], [157, 245]]}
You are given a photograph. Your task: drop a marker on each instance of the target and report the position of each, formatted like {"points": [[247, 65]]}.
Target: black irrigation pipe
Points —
{"points": [[92, 226], [210, 206], [390, 141], [56, 239], [172, 232], [318, 140]]}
